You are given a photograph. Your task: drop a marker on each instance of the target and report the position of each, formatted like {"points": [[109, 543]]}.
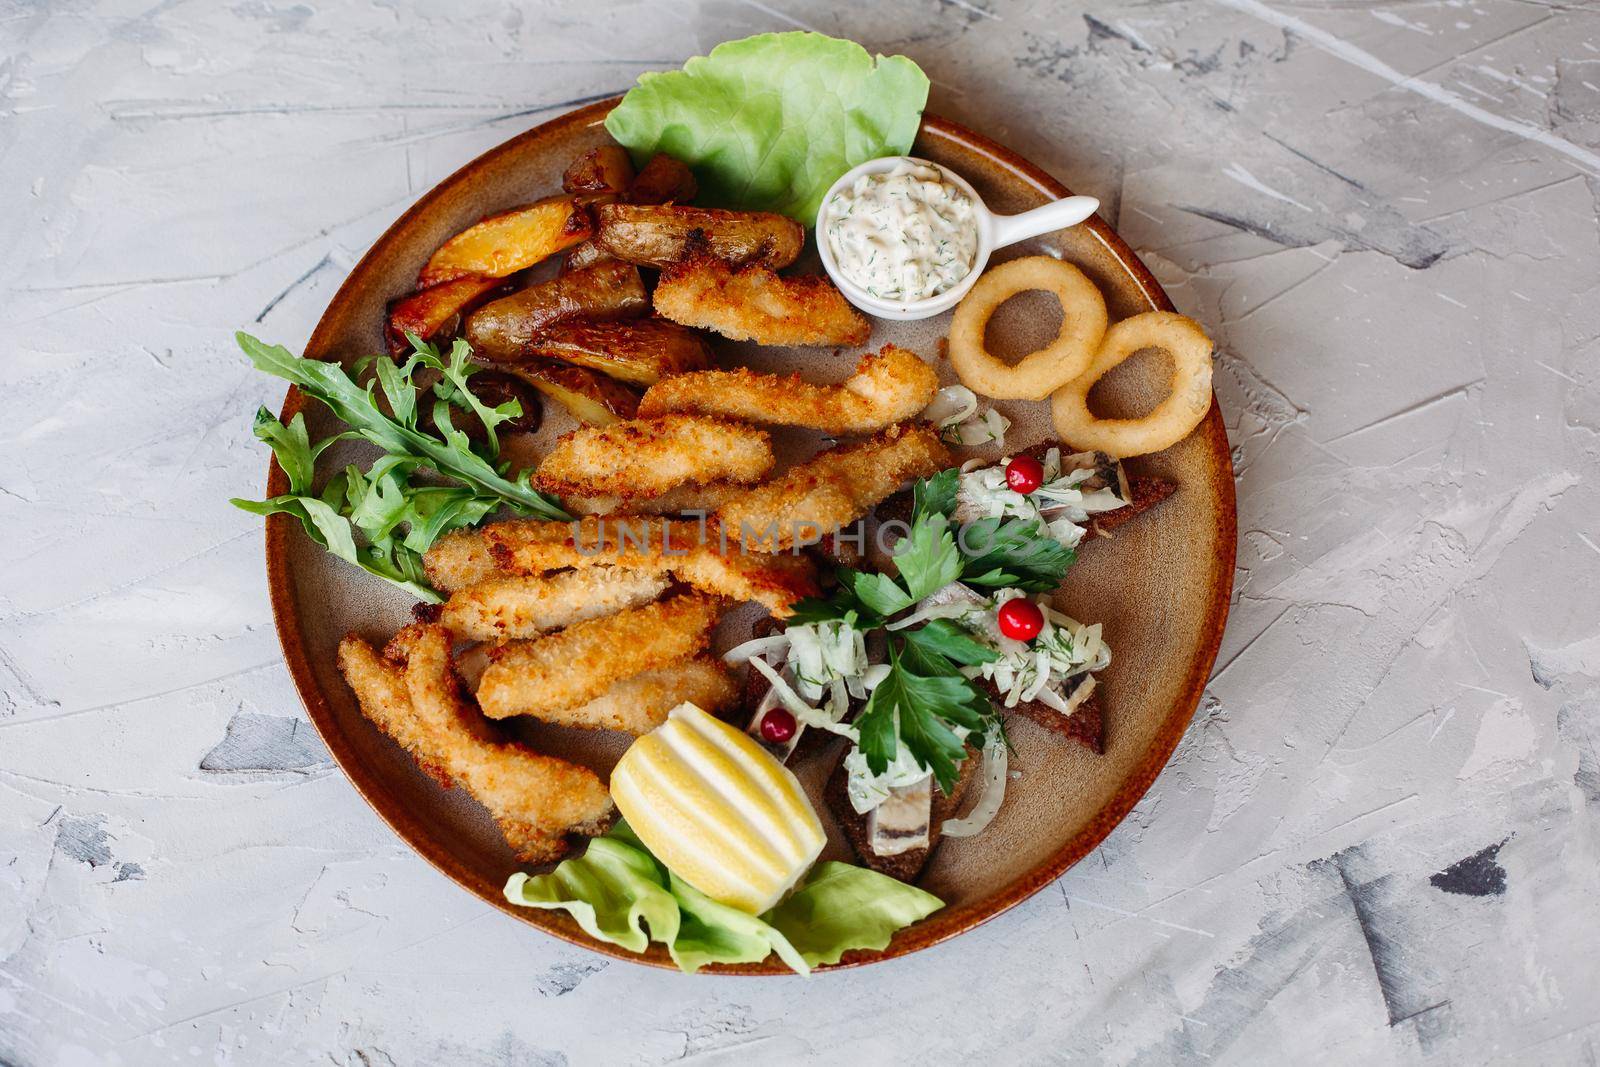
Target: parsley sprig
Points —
{"points": [[383, 519]]}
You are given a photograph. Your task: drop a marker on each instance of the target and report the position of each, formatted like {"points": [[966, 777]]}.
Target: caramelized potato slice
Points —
{"points": [[663, 180], [640, 353], [427, 312], [503, 329], [603, 171], [658, 236], [593, 399], [505, 243]]}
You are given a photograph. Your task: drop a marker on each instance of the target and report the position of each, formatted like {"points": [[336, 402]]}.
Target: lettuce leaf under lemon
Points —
{"points": [[769, 122], [618, 892]]}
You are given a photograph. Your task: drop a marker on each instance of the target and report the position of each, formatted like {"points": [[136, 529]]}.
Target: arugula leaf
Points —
{"points": [[380, 520], [917, 703], [292, 446], [1012, 553], [325, 525], [943, 637], [927, 557], [398, 435], [770, 121], [936, 495]]}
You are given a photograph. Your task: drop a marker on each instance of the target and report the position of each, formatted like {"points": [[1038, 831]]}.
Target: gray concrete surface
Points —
{"points": [[1377, 843]]}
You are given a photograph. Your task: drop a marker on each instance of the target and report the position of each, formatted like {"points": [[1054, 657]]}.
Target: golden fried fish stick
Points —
{"points": [[526, 606], [752, 303], [458, 560], [536, 800], [647, 457], [648, 543], [578, 664], [831, 490], [775, 580], [639, 704], [684, 548], [886, 388], [685, 498]]}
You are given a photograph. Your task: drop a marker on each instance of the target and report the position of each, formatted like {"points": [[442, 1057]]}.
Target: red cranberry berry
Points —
{"points": [[1019, 619], [777, 726], [1024, 474]]}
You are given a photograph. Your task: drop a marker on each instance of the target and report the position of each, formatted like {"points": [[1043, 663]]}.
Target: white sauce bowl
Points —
{"points": [[994, 231]]}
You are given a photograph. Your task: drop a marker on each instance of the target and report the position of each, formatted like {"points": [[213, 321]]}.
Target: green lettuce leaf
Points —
{"points": [[618, 892], [769, 122], [843, 907]]}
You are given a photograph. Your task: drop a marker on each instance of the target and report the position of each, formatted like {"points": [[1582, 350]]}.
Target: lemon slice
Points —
{"points": [[718, 810]]}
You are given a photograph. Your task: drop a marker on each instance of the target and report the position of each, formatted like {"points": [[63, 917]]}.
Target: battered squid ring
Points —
{"points": [[1038, 374], [1172, 420]]}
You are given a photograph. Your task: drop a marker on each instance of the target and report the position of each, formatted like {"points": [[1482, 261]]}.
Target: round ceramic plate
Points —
{"points": [[1160, 585]]}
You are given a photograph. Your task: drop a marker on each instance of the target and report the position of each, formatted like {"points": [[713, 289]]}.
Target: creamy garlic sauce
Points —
{"points": [[906, 234]]}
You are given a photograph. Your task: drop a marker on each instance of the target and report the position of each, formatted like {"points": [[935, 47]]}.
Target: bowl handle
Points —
{"points": [[1056, 215]]}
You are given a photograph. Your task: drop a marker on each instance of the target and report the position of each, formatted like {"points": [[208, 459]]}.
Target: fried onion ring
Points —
{"points": [[1188, 398], [1038, 374]]}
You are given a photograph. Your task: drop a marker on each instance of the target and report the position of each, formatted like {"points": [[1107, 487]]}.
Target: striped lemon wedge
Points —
{"points": [[718, 810]]}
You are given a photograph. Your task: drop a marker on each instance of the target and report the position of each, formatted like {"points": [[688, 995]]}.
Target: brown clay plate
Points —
{"points": [[1160, 586]]}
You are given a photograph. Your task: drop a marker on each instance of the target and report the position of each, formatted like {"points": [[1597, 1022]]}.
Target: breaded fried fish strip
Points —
{"points": [[776, 581], [639, 704], [648, 543], [831, 490], [701, 498], [526, 606], [458, 560], [574, 666], [647, 457], [887, 388], [752, 303], [684, 548], [535, 800]]}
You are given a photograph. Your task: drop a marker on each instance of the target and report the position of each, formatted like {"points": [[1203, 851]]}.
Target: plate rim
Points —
{"points": [[943, 926]]}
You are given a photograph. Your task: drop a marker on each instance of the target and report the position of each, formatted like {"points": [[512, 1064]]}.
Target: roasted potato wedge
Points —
{"points": [[640, 352], [593, 399], [659, 236], [600, 172], [504, 243], [584, 255], [663, 180], [428, 312], [503, 329]]}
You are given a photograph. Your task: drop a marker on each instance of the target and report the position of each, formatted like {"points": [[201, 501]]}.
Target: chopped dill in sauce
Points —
{"points": [[905, 235]]}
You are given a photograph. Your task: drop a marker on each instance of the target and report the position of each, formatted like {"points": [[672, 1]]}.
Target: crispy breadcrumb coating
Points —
{"points": [[647, 457], [525, 606], [688, 549], [458, 560], [886, 388], [535, 800], [639, 704], [578, 664], [752, 303], [832, 490]]}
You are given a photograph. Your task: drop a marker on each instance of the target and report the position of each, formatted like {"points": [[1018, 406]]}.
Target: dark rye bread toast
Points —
{"points": [[1085, 725], [904, 866]]}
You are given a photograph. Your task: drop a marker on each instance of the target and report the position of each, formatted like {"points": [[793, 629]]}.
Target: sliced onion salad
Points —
{"points": [[954, 410], [991, 790]]}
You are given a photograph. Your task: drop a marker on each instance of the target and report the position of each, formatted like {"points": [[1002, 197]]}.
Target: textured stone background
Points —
{"points": [[1378, 839]]}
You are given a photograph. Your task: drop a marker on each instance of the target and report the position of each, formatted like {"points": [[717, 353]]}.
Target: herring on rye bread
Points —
{"points": [[905, 866]]}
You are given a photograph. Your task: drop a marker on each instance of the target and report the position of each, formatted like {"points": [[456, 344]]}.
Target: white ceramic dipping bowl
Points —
{"points": [[994, 231]]}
